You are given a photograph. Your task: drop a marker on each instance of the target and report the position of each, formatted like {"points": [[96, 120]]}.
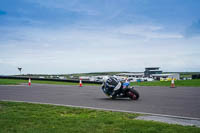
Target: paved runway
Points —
{"points": [[181, 101]]}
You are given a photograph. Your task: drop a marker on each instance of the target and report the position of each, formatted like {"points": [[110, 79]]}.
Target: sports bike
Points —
{"points": [[122, 90]]}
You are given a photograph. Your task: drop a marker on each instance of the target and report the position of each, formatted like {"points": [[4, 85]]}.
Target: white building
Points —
{"points": [[93, 78], [165, 76], [135, 75], [84, 77], [62, 77]]}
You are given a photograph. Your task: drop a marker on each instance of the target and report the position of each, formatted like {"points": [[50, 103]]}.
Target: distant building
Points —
{"points": [[166, 76], [93, 78], [84, 77], [152, 70], [135, 75], [62, 77], [98, 78]]}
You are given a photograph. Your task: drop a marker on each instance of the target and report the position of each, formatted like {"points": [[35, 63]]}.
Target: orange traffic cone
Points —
{"points": [[172, 84], [80, 84], [29, 82]]}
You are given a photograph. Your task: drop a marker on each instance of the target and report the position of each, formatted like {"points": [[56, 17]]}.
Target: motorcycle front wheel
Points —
{"points": [[132, 94]]}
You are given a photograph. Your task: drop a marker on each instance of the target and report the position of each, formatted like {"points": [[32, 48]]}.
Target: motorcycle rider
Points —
{"points": [[111, 86]]}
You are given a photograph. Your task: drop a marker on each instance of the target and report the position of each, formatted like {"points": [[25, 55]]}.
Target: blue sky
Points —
{"points": [[59, 36]]}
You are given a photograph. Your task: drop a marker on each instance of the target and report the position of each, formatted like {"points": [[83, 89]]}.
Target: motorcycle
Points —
{"points": [[123, 90]]}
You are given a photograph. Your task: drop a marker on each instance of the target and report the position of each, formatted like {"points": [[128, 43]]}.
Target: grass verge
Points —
{"points": [[19, 81], [186, 83], [38, 118]]}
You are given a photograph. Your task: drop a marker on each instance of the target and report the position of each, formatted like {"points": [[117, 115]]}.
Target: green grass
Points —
{"points": [[37, 118], [18, 81], [12, 81], [187, 83]]}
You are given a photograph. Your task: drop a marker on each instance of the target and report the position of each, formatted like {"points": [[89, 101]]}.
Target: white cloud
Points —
{"points": [[62, 36], [148, 32], [71, 6], [80, 49]]}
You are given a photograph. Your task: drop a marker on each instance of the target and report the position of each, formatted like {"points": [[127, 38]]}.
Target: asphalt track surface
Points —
{"points": [[180, 101]]}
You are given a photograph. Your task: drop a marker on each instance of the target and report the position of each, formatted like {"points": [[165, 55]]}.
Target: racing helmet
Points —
{"points": [[112, 82]]}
